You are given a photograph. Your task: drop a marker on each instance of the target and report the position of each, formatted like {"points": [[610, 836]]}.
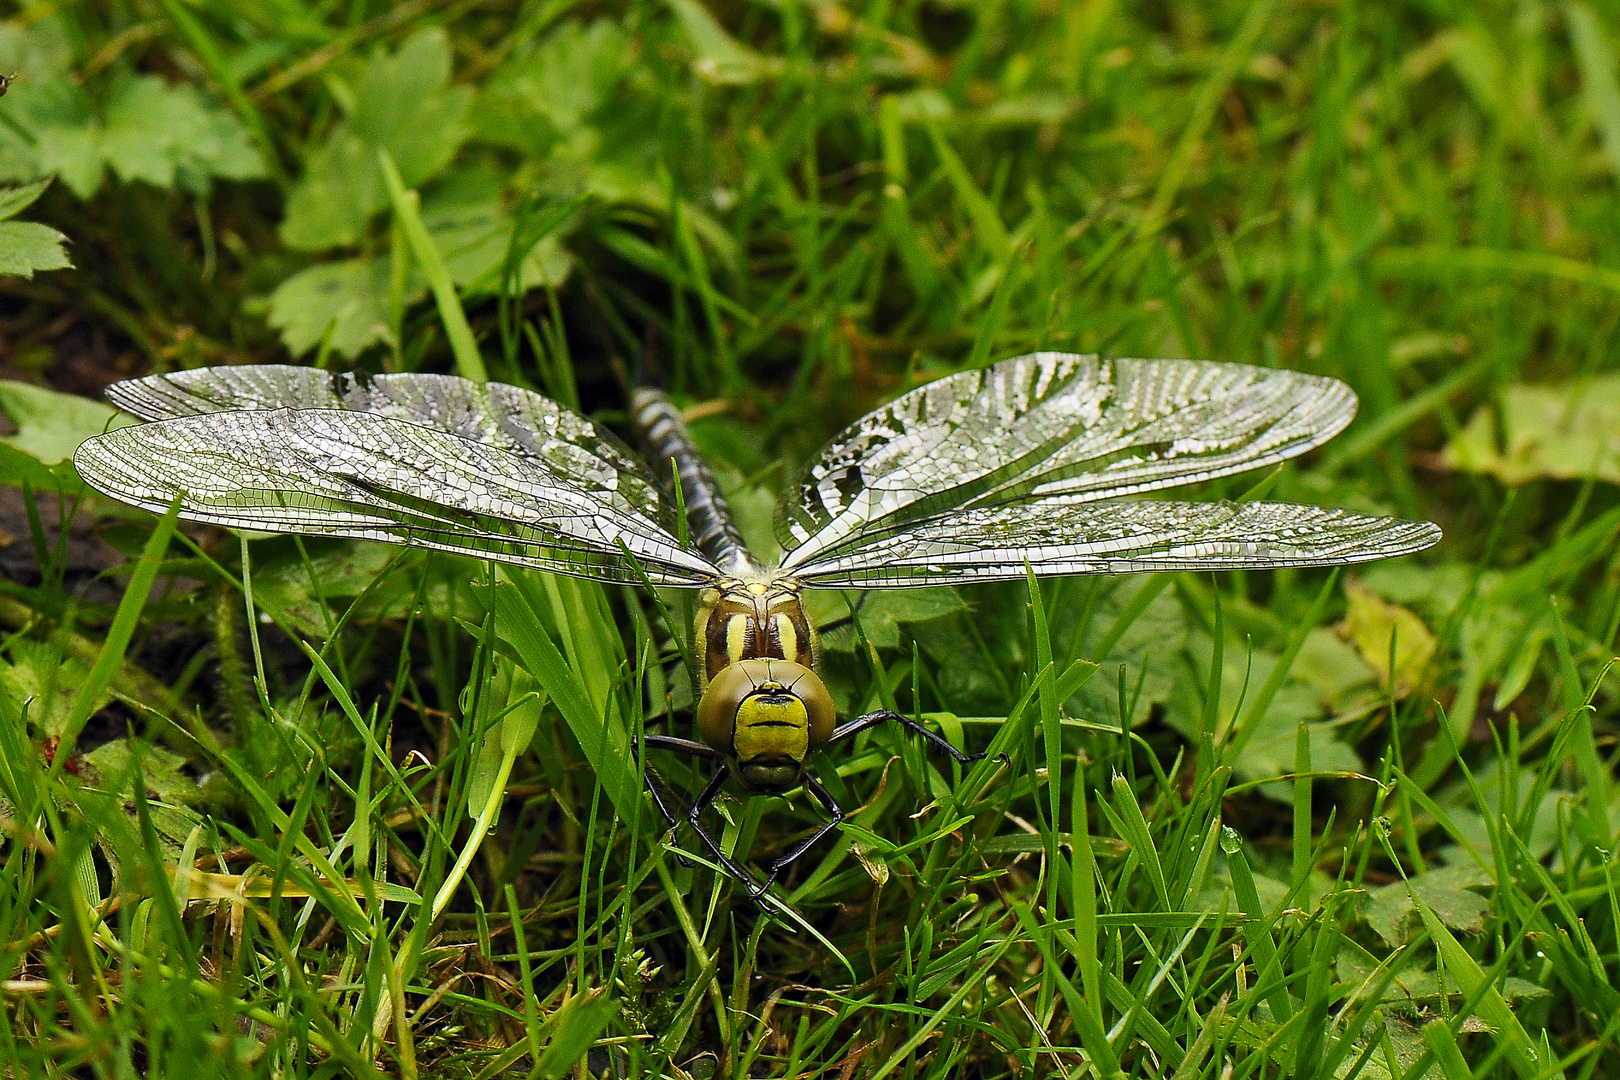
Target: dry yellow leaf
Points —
{"points": [[1372, 621]]}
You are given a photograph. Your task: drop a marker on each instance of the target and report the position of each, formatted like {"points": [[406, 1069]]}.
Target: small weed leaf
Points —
{"points": [[140, 128], [48, 426], [1392, 913], [27, 246], [404, 104], [1567, 432]]}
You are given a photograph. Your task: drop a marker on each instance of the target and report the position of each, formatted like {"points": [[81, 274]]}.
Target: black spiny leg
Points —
{"points": [[836, 812], [812, 785], [873, 719], [705, 797], [680, 746]]}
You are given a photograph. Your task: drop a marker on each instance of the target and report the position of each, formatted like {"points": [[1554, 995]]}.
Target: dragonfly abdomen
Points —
{"points": [[666, 440]]}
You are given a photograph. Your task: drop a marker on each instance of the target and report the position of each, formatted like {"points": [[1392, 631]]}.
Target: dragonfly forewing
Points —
{"points": [[518, 421]]}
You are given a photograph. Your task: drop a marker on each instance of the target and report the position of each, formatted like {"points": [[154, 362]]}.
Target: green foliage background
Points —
{"points": [[381, 817]]}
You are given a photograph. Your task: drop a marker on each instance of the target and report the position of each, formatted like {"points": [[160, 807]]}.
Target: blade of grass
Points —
{"points": [[119, 634], [407, 209], [1210, 95]]}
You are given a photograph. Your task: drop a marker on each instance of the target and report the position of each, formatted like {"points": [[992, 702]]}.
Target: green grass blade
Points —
{"points": [[469, 362], [119, 634]]}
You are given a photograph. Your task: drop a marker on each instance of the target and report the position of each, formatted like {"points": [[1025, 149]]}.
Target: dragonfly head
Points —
{"points": [[764, 717]]}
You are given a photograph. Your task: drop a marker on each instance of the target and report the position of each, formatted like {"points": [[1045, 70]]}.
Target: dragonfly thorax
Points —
{"points": [[753, 619], [764, 717]]}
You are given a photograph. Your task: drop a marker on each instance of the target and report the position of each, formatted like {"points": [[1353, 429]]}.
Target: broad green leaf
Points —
{"points": [[1446, 890], [349, 299], [51, 425], [1479, 828], [337, 572], [35, 675], [1147, 649], [881, 613], [1435, 591], [74, 154], [339, 192], [1336, 670], [1271, 750], [111, 768], [27, 246], [486, 767], [18, 468], [14, 201], [1564, 432], [556, 87], [403, 104], [1491, 1007], [1421, 987], [469, 223], [141, 126], [163, 134], [53, 128]]}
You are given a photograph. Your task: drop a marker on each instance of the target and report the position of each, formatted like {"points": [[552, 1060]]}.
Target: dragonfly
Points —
{"points": [[1022, 466]]}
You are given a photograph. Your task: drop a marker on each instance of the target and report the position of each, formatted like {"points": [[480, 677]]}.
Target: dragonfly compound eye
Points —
{"points": [[766, 716]]}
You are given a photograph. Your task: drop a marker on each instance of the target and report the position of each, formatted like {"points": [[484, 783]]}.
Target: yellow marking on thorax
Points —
{"points": [[742, 620], [786, 635], [736, 637]]}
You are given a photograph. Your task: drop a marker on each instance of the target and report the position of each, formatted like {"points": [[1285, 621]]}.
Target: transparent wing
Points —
{"points": [[518, 421], [995, 543], [1050, 425], [355, 474]]}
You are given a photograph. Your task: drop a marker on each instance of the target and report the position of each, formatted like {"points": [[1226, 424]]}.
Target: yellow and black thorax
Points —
{"points": [[761, 619]]}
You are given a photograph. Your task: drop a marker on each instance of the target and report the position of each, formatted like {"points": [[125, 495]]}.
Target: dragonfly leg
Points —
{"points": [[836, 816], [705, 797], [873, 719], [666, 742], [648, 777], [680, 746]]}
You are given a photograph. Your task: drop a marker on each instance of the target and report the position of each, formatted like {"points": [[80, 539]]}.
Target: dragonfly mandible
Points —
{"points": [[982, 475]]}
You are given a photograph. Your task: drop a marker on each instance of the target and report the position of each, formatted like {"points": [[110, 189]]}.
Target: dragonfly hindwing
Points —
{"points": [[1057, 537]]}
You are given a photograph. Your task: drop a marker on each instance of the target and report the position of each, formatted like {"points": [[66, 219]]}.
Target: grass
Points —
{"points": [[1299, 823]]}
